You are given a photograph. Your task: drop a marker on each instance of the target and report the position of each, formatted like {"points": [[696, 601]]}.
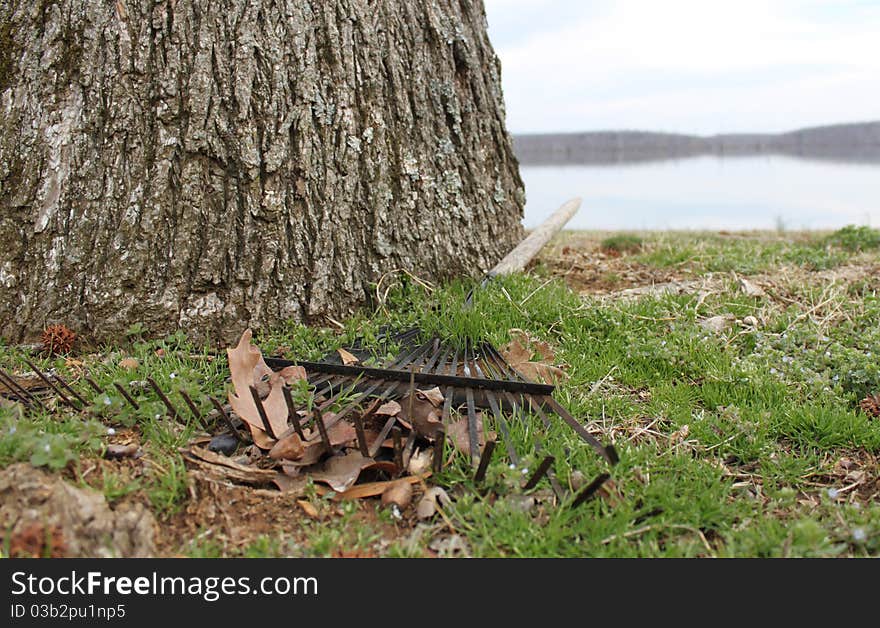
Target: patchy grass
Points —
{"points": [[742, 441]]}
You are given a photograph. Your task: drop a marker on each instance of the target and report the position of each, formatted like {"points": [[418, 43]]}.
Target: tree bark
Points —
{"points": [[212, 164]]}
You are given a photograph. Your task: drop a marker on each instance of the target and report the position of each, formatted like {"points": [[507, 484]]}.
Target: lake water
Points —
{"points": [[711, 193]]}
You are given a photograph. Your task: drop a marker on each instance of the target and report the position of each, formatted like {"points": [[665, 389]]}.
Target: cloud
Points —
{"points": [[686, 65]]}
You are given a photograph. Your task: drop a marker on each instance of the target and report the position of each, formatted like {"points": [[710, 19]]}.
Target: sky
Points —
{"points": [[690, 66]]}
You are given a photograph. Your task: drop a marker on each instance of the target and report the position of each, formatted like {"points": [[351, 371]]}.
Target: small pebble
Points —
{"points": [[833, 493], [224, 444], [859, 535], [111, 431]]}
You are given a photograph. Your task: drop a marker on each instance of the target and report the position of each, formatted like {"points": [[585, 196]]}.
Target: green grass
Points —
{"points": [[730, 439]]}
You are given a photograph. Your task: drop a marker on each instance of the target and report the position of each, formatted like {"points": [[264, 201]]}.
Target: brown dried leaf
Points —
{"points": [[540, 372], [518, 353], [399, 493], [391, 408], [120, 451], [425, 419], [427, 506], [369, 489], [432, 395], [129, 364], [308, 508], [458, 433], [288, 448], [247, 368], [340, 472], [347, 358]]}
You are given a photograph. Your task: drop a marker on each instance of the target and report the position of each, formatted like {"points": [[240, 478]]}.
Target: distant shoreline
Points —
{"points": [[854, 142]]}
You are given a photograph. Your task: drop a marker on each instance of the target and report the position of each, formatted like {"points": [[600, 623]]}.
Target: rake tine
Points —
{"points": [[172, 411], [23, 394], [438, 451], [361, 436], [67, 386], [383, 434], [344, 412], [226, 419], [322, 428], [262, 412], [609, 453], [398, 448], [473, 437], [408, 448], [194, 409], [590, 490], [542, 469], [291, 413], [126, 396], [502, 423], [485, 458], [46, 380], [94, 386]]}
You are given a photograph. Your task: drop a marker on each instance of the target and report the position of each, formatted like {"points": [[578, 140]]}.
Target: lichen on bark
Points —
{"points": [[214, 164]]}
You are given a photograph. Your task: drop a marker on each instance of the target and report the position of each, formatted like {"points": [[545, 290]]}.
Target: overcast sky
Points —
{"points": [[699, 66]]}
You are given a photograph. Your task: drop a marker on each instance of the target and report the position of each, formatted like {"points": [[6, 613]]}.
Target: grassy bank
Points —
{"points": [[727, 369]]}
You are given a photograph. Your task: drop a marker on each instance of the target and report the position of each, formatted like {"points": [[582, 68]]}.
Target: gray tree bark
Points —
{"points": [[211, 164]]}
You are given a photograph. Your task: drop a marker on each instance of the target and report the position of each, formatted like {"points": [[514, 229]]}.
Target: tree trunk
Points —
{"points": [[212, 164]]}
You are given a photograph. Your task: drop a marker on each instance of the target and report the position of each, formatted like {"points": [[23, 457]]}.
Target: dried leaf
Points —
{"points": [[750, 289], [129, 364], [518, 353], [120, 451], [399, 493], [427, 506], [340, 472], [390, 408], [425, 419], [308, 508], [247, 368], [420, 461], [432, 395], [540, 372], [459, 434], [717, 324], [347, 358], [370, 489], [289, 485], [288, 448]]}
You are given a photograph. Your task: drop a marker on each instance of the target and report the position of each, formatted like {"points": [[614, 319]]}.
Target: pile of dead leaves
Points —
{"points": [[290, 459]]}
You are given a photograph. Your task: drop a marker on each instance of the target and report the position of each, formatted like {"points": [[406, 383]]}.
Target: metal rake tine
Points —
{"points": [[226, 419], [383, 434], [542, 469], [47, 381], [322, 429], [398, 448], [361, 436], [94, 386], [502, 423], [172, 411], [292, 416], [194, 409], [70, 389], [438, 451], [23, 394], [590, 490], [473, 436], [262, 412], [126, 396], [485, 458]]}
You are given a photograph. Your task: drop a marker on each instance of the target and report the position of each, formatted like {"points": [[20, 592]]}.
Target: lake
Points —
{"points": [[733, 193]]}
